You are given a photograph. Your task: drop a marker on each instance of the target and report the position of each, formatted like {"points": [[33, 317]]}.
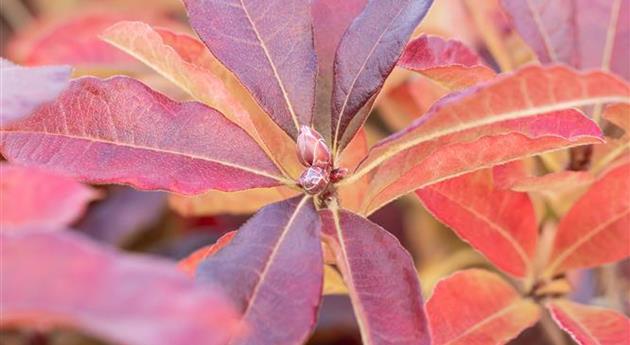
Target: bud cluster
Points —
{"points": [[315, 154]]}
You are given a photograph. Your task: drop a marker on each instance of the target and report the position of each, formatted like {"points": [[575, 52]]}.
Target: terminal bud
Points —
{"points": [[312, 149]]}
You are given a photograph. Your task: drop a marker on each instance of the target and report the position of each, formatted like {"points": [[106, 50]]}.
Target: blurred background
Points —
{"points": [[42, 32]]}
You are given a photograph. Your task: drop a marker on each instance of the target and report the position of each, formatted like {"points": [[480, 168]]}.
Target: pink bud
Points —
{"points": [[312, 149], [314, 180], [338, 174]]}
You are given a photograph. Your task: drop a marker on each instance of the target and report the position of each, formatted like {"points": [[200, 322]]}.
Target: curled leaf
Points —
{"points": [[449, 63]]}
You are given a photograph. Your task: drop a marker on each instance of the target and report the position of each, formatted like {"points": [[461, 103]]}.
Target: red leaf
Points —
{"points": [[449, 63], [583, 33], [273, 270], [591, 325], [190, 263], [381, 279], [269, 46], [365, 57], [510, 104], [186, 62], [24, 89], [501, 224], [595, 231], [477, 307], [331, 19], [34, 198], [120, 131], [478, 148], [62, 279]]}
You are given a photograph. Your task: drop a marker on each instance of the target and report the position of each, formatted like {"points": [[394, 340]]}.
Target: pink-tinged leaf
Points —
{"points": [[619, 114], [120, 131], [24, 88], [365, 57], [595, 231], [591, 325], [71, 41], [449, 63], [381, 279], [273, 271], [269, 46], [122, 298], [35, 198], [477, 307], [187, 62], [192, 261], [523, 108], [604, 32], [547, 27], [583, 33], [501, 224], [331, 19]]}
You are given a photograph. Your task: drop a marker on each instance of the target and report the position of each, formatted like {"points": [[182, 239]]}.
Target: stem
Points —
{"points": [[551, 331]]}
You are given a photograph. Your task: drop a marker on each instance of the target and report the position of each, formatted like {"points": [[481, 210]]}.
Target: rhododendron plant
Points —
{"points": [[276, 98]]}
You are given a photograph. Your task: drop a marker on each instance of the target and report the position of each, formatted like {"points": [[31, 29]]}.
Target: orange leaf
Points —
{"points": [[591, 325], [477, 307], [501, 224], [595, 231]]}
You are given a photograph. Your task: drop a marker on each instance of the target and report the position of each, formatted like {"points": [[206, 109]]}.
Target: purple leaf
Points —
{"points": [[366, 55], [269, 46], [331, 19], [272, 269], [381, 279]]}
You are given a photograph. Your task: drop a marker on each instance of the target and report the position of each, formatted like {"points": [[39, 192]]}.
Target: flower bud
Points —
{"points": [[314, 180], [312, 149]]}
